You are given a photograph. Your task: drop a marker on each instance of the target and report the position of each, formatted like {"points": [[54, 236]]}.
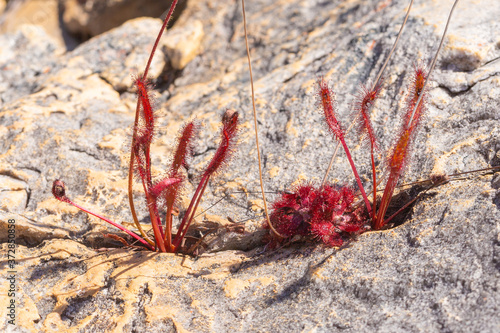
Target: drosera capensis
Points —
{"points": [[332, 213], [162, 194]]}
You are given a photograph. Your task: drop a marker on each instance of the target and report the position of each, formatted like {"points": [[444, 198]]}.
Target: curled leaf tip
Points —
{"points": [[59, 189]]}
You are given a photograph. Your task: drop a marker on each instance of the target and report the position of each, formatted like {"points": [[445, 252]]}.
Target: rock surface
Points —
{"points": [[69, 22], [68, 116], [92, 18], [42, 14]]}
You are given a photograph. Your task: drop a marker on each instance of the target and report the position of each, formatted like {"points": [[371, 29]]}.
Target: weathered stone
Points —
{"points": [[437, 271], [183, 44], [35, 13], [24, 56], [92, 18], [13, 195]]}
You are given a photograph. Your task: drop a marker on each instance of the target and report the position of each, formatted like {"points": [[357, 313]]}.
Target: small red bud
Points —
{"points": [[59, 190]]}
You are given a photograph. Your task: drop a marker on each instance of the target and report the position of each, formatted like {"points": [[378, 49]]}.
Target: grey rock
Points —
{"points": [[436, 272], [42, 14]]}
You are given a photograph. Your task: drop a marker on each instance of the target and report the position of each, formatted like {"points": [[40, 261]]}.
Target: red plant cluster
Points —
{"points": [[326, 213], [162, 194], [298, 213]]}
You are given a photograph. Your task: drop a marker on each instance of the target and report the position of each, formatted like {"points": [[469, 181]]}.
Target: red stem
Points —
{"points": [[186, 221], [193, 212], [168, 218], [355, 172], [374, 175], [122, 228], [153, 214], [165, 22], [168, 230], [378, 222], [396, 165], [151, 202], [149, 179]]}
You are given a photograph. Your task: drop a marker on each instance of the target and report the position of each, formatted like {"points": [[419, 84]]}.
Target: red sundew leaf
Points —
{"points": [[327, 102], [399, 153], [396, 163], [171, 194], [362, 104], [324, 213], [291, 213], [228, 141], [347, 198], [162, 186], [350, 228], [334, 240], [328, 106], [416, 89], [185, 146], [59, 191], [326, 232], [322, 229], [145, 128], [144, 96]]}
